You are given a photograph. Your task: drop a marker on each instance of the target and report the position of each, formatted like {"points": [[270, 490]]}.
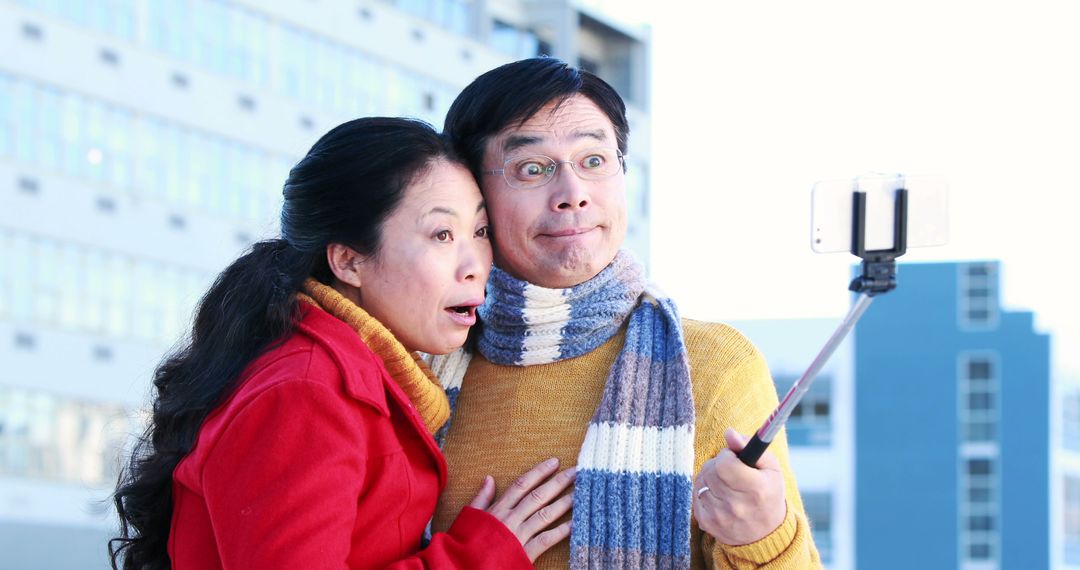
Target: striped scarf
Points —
{"points": [[635, 470]]}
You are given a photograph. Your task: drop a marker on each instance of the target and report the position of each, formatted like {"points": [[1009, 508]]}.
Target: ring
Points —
{"points": [[702, 490]]}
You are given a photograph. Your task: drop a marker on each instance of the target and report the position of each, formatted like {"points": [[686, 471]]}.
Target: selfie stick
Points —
{"points": [[878, 277]]}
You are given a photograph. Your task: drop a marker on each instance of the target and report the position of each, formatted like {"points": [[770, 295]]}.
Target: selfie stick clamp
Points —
{"points": [[878, 266], [878, 277]]}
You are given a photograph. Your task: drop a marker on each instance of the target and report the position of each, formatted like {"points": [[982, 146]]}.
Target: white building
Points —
{"points": [[1065, 474], [821, 432], [143, 145]]}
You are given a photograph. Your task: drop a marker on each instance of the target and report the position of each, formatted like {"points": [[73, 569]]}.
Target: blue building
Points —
{"points": [[952, 426]]}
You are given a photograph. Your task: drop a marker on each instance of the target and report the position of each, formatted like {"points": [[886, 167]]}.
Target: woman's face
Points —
{"points": [[429, 273]]}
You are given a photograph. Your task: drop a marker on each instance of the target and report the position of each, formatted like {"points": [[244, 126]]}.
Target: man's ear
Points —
{"points": [[345, 263]]}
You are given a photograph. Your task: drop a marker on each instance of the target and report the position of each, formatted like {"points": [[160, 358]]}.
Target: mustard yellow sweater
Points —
{"points": [[510, 418]]}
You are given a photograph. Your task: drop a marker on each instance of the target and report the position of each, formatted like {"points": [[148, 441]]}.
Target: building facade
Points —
{"points": [[143, 146], [1065, 476], [935, 436], [952, 426], [820, 430]]}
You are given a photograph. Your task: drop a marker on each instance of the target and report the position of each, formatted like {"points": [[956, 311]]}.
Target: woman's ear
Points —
{"points": [[345, 263]]}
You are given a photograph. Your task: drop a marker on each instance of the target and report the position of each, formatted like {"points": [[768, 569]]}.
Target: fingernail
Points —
{"points": [[551, 462]]}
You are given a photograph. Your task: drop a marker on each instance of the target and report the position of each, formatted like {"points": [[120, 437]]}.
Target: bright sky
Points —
{"points": [[755, 101]]}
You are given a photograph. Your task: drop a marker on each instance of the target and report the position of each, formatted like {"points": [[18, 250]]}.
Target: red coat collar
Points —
{"points": [[352, 357]]}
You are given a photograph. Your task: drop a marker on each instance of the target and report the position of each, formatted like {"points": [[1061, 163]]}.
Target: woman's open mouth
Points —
{"points": [[464, 315]]}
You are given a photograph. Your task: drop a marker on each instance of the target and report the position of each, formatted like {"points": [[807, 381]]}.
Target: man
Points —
{"points": [[575, 359]]}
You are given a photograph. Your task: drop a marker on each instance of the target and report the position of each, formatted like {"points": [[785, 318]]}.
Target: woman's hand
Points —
{"points": [[739, 504], [530, 505]]}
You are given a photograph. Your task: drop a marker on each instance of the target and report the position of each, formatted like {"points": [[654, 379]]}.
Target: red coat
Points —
{"points": [[319, 460]]}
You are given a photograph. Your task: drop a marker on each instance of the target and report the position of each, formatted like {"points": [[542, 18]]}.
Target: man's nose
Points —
{"points": [[569, 190]]}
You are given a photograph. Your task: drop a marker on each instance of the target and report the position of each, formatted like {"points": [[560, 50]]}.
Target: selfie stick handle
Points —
{"points": [[878, 277]]}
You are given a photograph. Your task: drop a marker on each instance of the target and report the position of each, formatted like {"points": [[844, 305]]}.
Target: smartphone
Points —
{"points": [[831, 212]]}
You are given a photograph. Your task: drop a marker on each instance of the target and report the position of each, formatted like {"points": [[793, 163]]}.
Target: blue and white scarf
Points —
{"points": [[632, 497]]}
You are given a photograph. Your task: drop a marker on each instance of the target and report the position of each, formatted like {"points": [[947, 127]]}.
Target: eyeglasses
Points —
{"points": [[537, 170]]}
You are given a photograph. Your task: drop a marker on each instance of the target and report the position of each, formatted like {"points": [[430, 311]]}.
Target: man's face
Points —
{"points": [[563, 233]]}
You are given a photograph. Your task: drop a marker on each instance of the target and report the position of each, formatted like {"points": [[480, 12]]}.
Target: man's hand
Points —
{"points": [[739, 504]]}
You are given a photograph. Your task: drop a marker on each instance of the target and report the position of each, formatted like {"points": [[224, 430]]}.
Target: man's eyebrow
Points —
{"points": [[480, 206], [514, 142], [598, 134]]}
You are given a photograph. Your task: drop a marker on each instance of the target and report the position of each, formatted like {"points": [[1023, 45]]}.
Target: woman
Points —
{"points": [[295, 429]]}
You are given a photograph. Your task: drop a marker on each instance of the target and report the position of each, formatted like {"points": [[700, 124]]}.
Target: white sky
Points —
{"points": [[755, 101]]}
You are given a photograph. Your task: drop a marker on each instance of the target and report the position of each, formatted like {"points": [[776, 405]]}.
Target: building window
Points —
{"points": [[237, 42], [103, 144], [590, 65], [7, 114], [45, 436], [818, 507], [513, 41], [1072, 519], [810, 423], [1071, 421], [95, 291], [7, 277], [544, 47], [32, 32], [109, 57], [979, 513], [978, 304], [979, 397]]}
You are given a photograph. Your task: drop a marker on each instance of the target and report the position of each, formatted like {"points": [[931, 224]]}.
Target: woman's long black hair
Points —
{"points": [[341, 192]]}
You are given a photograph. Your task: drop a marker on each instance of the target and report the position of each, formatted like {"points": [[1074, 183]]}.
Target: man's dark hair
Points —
{"points": [[514, 92]]}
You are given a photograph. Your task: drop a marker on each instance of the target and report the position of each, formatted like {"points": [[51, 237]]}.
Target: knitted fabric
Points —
{"points": [[632, 496], [411, 374]]}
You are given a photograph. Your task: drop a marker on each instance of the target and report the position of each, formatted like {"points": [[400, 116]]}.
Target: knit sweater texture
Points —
{"points": [[509, 418]]}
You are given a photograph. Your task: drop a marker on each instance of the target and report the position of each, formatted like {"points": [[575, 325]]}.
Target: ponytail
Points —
{"points": [[251, 305]]}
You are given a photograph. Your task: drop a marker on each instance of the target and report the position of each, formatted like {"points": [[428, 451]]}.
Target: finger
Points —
{"points": [[699, 481], [525, 484], [735, 440], [483, 497], [546, 516], [768, 461], [722, 470], [708, 510], [540, 543], [710, 486], [539, 497], [728, 471]]}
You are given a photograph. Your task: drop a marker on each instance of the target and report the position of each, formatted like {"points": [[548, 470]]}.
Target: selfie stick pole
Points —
{"points": [[878, 277]]}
